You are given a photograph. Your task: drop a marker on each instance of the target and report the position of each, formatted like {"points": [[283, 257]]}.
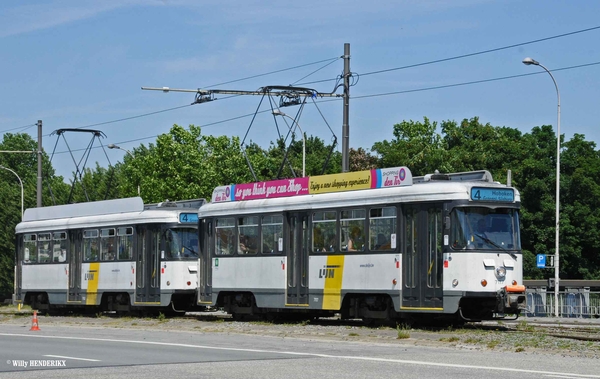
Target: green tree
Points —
{"points": [[96, 184], [25, 166], [536, 180], [580, 201], [320, 159], [416, 145], [184, 164], [473, 146], [361, 160]]}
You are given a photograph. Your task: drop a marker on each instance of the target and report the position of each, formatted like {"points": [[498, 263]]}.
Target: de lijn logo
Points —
{"points": [[327, 272]]}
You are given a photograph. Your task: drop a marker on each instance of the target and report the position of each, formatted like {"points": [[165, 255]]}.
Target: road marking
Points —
{"points": [[79, 359], [295, 353]]}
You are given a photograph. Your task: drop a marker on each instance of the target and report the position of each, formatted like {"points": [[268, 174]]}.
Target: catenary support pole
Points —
{"points": [[346, 112]]}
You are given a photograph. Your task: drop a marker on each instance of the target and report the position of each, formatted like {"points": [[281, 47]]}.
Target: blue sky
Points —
{"points": [[73, 64]]}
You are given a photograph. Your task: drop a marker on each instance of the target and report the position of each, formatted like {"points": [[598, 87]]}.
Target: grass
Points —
{"points": [[523, 326], [263, 322], [403, 331], [450, 339]]}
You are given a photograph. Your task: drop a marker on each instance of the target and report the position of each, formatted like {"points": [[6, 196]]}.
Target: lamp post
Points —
{"points": [[529, 61], [113, 146], [21, 183], [277, 112]]}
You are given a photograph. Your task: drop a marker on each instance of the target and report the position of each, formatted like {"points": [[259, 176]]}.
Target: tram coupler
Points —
{"points": [[511, 299]]}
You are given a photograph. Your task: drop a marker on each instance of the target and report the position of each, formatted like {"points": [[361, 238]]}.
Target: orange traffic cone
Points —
{"points": [[34, 322]]}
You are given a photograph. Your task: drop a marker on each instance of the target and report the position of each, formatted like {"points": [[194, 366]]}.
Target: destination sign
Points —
{"points": [[188, 218], [492, 194]]}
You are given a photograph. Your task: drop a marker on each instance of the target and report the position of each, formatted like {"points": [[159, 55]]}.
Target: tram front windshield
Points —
{"points": [[485, 229], [181, 243]]}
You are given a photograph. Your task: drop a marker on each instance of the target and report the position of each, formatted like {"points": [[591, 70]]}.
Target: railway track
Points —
{"points": [[575, 329]]}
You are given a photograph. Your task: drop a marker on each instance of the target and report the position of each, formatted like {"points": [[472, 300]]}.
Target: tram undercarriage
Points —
{"points": [[119, 302]]}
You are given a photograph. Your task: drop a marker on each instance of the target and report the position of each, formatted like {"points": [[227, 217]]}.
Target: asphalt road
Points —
{"points": [[128, 353]]}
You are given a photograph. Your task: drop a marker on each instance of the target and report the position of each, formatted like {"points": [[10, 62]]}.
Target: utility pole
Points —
{"points": [[346, 111], [39, 165]]}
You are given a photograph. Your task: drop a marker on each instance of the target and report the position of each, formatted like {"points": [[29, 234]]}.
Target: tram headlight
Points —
{"points": [[501, 273]]}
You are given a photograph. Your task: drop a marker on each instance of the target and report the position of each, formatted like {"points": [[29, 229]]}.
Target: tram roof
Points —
{"points": [[105, 212]]}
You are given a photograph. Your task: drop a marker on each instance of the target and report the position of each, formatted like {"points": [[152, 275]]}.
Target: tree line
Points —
{"points": [[186, 164]]}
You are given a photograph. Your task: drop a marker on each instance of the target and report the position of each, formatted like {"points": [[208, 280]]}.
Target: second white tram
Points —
{"points": [[114, 255], [438, 247]]}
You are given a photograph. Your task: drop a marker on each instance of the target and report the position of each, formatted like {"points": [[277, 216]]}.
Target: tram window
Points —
{"points": [[434, 246], [90, 245], [324, 231], [225, 243], [382, 226], [411, 238], [484, 228], [30, 248], [272, 230], [44, 247], [107, 244], [248, 232], [180, 243], [59, 247], [352, 226], [125, 243]]}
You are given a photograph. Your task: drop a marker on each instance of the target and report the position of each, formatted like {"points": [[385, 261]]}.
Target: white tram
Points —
{"points": [[443, 246], [114, 255]]}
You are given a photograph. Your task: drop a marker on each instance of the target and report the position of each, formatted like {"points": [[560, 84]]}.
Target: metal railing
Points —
{"points": [[572, 303]]}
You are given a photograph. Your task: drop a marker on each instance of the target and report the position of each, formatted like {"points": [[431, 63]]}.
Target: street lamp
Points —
{"points": [[277, 112], [21, 183], [113, 146], [529, 61]]}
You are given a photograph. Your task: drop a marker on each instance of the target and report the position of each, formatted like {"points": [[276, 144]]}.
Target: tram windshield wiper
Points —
{"points": [[194, 253], [488, 241]]}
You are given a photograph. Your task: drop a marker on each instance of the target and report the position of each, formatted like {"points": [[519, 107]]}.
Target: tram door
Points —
{"points": [[19, 269], [297, 259], [422, 257], [74, 256], [147, 288], [205, 272]]}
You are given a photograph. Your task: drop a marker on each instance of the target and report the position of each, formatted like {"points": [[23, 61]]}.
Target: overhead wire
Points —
{"points": [[482, 52], [331, 60], [472, 82], [384, 94], [464, 55], [24, 127], [277, 71]]}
